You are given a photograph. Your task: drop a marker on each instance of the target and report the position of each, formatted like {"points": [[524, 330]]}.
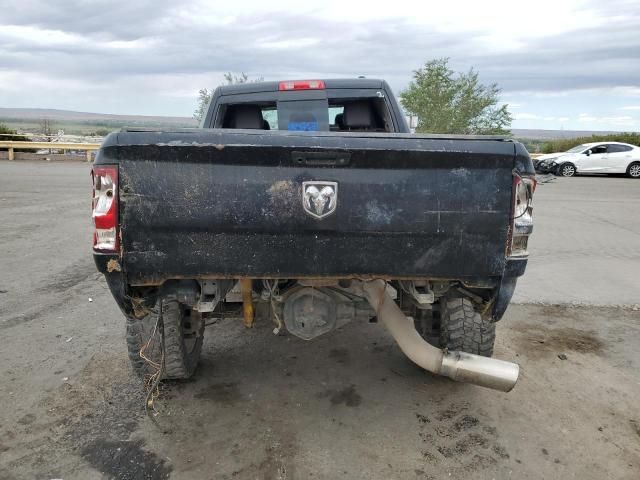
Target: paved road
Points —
{"points": [[347, 405], [586, 243]]}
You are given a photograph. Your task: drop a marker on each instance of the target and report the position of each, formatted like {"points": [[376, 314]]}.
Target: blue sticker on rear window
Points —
{"points": [[303, 126]]}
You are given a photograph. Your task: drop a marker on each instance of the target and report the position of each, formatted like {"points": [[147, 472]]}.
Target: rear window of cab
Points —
{"points": [[312, 115]]}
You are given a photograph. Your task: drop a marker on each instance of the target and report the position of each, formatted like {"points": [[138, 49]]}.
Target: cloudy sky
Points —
{"points": [[572, 64]]}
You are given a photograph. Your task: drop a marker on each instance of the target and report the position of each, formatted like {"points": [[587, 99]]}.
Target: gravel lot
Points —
{"points": [[347, 405]]}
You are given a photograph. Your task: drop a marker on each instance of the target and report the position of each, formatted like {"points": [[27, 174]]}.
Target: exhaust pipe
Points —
{"points": [[460, 366]]}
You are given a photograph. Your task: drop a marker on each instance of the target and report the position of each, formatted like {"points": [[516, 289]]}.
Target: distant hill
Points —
{"points": [[524, 133], [30, 115], [28, 118]]}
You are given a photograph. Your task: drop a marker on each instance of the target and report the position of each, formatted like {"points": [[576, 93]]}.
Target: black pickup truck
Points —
{"points": [[309, 203]]}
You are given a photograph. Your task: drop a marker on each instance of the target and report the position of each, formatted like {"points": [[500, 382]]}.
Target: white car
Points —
{"points": [[597, 157]]}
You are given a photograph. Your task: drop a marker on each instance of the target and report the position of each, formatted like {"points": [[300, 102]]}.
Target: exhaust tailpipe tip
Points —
{"points": [[459, 366], [483, 371]]}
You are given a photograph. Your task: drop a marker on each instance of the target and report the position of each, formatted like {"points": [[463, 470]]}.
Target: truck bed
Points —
{"points": [[228, 203]]}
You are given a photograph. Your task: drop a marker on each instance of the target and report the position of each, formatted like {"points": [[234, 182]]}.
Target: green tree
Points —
{"points": [[204, 95], [448, 102], [102, 132], [8, 134]]}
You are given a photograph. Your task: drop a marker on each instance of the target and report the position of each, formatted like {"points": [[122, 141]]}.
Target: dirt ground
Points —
{"points": [[347, 405]]}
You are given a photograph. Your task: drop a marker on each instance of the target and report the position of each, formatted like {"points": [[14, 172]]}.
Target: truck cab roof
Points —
{"points": [[338, 104], [273, 86]]}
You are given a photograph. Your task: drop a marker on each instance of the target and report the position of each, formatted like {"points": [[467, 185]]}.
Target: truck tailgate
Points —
{"points": [[230, 203]]}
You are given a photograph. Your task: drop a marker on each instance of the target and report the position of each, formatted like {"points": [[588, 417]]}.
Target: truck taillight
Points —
{"points": [[522, 223], [302, 85], [105, 208]]}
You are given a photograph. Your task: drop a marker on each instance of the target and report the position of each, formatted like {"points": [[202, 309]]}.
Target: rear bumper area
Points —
{"points": [[295, 255], [515, 266], [345, 265], [119, 282]]}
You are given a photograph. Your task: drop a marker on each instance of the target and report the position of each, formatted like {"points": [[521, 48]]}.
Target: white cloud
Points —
{"points": [[514, 104], [35, 36], [625, 90], [288, 44], [617, 120], [151, 56], [526, 116], [534, 116]]}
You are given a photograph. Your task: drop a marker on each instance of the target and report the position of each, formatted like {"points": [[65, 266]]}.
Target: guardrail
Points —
{"points": [[11, 146]]}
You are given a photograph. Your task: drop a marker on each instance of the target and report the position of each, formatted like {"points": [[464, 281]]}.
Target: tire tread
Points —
{"points": [[178, 362], [463, 329]]}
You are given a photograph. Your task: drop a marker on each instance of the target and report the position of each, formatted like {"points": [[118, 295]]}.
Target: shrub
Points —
{"points": [[8, 134], [564, 144]]}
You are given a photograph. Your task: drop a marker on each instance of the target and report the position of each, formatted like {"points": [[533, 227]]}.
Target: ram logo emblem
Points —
{"points": [[319, 199]]}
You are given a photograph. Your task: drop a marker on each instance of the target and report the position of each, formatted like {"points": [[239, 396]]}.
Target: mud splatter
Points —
{"points": [[125, 459], [541, 341], [340, 355], [466, 422], [422, 418], [72, 276], [27, 419], [284, 196], [224, 393], [113, 266], [347, 396], [460, 439]]}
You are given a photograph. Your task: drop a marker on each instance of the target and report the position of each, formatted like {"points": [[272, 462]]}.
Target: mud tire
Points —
{"points": [[183, 337], [463, 329]]}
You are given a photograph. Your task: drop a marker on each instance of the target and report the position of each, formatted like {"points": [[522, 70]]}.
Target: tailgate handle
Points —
{"points": [[321, 158]]}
